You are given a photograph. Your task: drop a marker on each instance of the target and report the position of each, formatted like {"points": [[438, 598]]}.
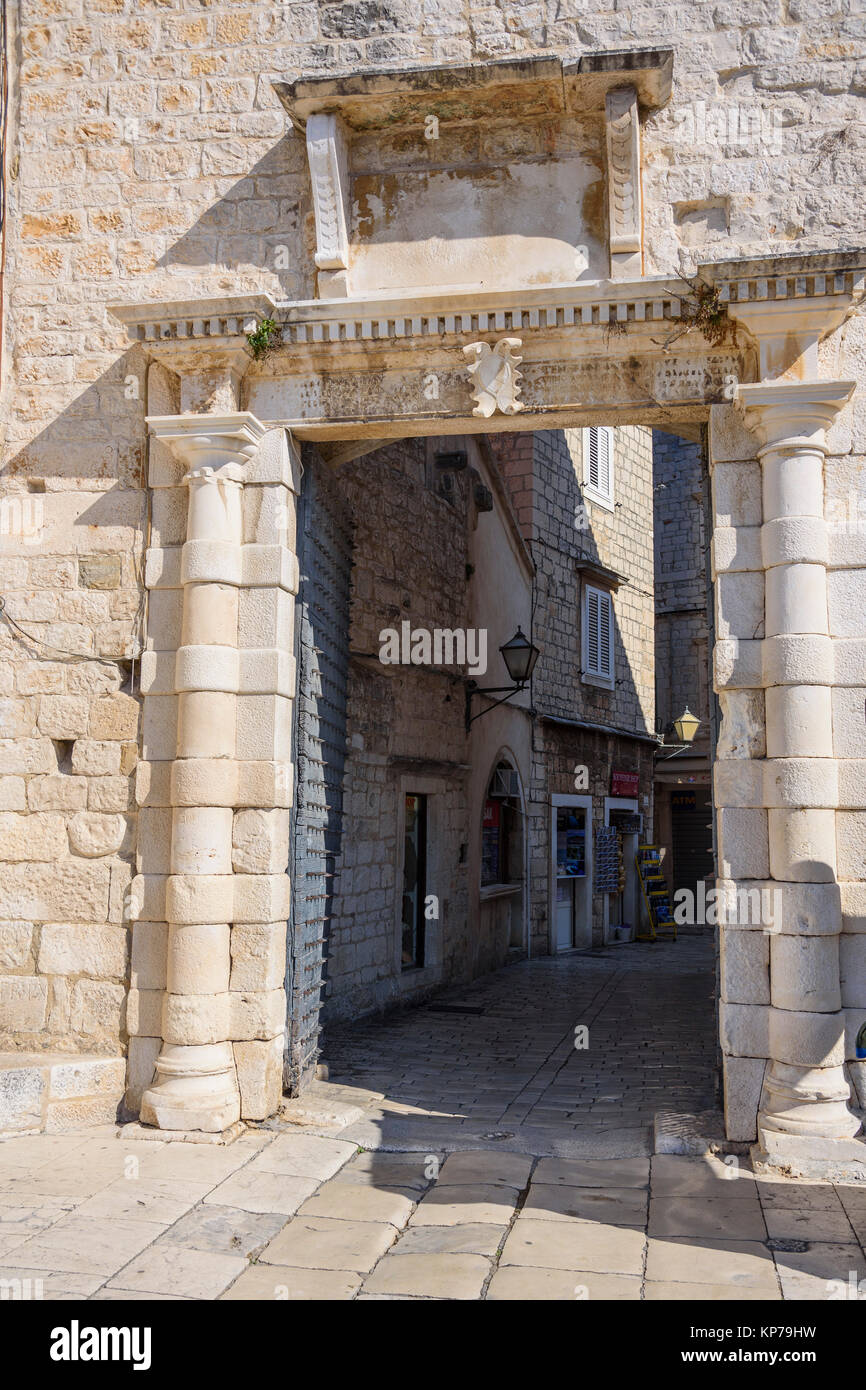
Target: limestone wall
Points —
{"points": [[404, 722], [148, 158], [682, 658]]}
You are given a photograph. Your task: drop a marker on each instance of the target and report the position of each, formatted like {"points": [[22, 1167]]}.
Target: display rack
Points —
{"points": [[653, 885]]}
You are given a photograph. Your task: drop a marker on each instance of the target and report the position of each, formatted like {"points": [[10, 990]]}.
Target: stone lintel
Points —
{"points": [[520, 87]]}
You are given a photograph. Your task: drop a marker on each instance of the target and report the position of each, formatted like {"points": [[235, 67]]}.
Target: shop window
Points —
{"points": [[501, 830]]}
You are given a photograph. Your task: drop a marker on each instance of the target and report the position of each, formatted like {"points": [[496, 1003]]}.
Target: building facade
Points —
{"points": [[683, 645], [235, 232]]}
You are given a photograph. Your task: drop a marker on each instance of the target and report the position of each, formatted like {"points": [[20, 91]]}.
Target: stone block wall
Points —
{"points": [[681, 644], [563, 527], [68, 744], [409, 564]]}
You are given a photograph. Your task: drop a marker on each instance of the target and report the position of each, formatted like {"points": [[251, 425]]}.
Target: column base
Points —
{"points": [[805, 1127], [800, 1156], [195, 1088], [808, 1102]]}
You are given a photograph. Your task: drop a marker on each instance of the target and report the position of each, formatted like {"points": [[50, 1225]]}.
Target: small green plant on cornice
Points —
{"points": [[261, 339], [702, 308]]}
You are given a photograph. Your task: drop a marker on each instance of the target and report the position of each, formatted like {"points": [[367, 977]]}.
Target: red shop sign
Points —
{"points": [[623, 783]]}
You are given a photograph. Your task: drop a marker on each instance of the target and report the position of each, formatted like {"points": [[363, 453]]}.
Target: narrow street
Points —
{"points": [[509, 1060]]}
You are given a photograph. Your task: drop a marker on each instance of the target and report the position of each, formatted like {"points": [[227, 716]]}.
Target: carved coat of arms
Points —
{"points": [[495, 376]]}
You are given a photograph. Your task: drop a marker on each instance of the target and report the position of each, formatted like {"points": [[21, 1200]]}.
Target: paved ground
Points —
{"points": [[487, 1158], [650, 1014]]}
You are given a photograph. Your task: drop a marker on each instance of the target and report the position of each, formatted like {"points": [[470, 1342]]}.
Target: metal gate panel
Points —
{"points": [[319, 752]]}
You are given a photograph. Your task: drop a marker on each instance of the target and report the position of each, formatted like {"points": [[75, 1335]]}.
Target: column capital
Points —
{"points": [[216, 447], [792, 413]]}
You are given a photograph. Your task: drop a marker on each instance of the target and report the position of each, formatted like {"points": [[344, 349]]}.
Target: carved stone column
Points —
{"points": [[804, 1117], [196, 1084]]}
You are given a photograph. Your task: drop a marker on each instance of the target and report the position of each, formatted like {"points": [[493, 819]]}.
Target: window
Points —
{"points": [[414, 882], [597, 636], [598, 465], [496, 834], [502, 828]]}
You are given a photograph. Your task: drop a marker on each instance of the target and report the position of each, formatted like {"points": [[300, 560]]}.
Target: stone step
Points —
{"points": [[54, 1092]]}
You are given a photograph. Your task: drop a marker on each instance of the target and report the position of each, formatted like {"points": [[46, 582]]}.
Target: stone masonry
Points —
{"points": [[162, 202], [564, 527]]}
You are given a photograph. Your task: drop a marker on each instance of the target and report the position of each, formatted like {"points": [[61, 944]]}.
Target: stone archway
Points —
{"points": [[742, 350]]}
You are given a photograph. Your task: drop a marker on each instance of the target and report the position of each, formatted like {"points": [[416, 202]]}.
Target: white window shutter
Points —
{"points": [[605, 635], [592, 631], [598, 473], [592, 467], [598, 629]]}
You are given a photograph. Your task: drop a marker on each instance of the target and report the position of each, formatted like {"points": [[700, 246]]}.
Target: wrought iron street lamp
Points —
{"points": [[520, 656], [685, 728]]}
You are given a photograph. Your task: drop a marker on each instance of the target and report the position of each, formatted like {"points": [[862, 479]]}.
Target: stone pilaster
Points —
{"points": [[791, 794], [221, 697]]}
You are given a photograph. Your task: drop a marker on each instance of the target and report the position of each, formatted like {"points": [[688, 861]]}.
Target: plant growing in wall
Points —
{"points": [[703, 308], [261, 340]]}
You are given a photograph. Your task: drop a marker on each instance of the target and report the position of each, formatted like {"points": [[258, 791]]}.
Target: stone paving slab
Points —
{"points": [[304, 1156], [576, 1245], [258, 1190], [824, 1262], [227, 1230], [797, 1196], [403, 1171], [490, 1167], [430, 1276], [624, 1172], [472, 1238], [319, 1242], [173, 1269], [655, 1291], [744, 1264], [676, 1176], [158, 1200], [612, 1206], [51, 1285], [784, 1223], [264, 1283], [480, 1203], [717, 1217], [525, 1284], [349, 1201], [81, 1245]]}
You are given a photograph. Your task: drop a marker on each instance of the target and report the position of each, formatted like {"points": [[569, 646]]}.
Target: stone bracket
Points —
{"points": [[327, 154], [622, 126]]}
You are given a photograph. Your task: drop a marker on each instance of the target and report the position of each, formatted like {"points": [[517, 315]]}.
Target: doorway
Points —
{"points": [[571, 871], [621, 909]]}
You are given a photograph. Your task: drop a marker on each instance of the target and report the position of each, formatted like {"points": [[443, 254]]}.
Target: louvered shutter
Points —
{"points": [[598, 617], [592, 652], [599, 464], [605, 634]]}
